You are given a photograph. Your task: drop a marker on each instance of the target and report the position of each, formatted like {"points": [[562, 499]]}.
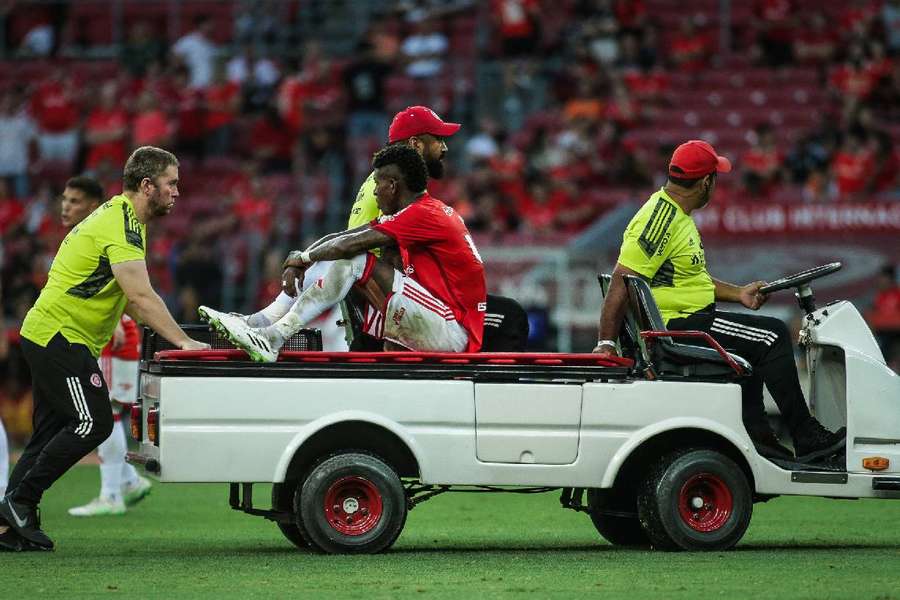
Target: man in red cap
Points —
{"points": [[421, 129], [662, 245]]}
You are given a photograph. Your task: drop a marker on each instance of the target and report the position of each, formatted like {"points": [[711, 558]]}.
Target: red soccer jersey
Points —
{"points": [[131, 347], [439, 254]]}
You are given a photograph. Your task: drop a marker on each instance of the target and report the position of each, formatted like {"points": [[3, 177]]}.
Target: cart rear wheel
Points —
{"points": [[696, 499], [351, 503]]}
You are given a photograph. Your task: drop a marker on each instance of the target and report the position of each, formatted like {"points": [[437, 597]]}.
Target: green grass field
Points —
{"points": [[184, 541]]}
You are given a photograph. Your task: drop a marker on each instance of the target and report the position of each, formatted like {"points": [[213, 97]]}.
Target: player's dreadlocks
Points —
{"points": [[410, 164]]}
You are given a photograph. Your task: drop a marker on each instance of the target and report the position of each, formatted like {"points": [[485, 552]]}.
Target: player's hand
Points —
{"points": [[751, 297], [605, 350], [294, 259], [192, 344], [292, 280]]}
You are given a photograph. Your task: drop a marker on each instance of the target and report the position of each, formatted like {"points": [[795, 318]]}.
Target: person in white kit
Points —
{"points": [[121, 485]]}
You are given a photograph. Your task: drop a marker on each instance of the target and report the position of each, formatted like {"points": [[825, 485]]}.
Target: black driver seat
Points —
{"points": [[671, 359]]}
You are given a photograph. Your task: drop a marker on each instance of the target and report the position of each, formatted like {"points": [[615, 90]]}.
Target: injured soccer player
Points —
{"points": [[435, 304]]}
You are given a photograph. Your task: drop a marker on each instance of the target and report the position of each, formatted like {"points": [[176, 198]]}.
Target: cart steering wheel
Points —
{"points": [[798, 279]]}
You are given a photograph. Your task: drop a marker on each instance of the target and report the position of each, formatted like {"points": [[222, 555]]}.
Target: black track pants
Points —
{"points": [[765, 343], [72, 415]]}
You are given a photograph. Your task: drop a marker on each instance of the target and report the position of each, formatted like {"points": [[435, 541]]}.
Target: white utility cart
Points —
{"points": [[651, 446]]}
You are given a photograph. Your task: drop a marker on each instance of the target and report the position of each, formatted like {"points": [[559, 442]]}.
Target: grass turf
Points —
{"points": [[184, 541]]}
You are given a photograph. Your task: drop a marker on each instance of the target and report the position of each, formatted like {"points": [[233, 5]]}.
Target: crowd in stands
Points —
{"points": [[569, 107]]}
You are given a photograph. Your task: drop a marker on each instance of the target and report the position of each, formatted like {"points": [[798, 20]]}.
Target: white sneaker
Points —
{"points": [[99, 507], [135, 492], [252, 341]]}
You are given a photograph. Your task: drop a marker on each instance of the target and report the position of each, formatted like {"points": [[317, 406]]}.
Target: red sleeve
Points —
{"points": [[415, 224]]}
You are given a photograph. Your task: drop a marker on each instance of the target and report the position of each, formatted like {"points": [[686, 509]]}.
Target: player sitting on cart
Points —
{"points": [[435, 304]]}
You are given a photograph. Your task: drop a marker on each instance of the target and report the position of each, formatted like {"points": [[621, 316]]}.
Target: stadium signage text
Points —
{"points": [[779, 218]]}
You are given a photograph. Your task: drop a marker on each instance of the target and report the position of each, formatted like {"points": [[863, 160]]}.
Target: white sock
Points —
{"points": [[112, 458], [130, 476], [4, 460], [279, 307], [322, 291], [283, 303]]}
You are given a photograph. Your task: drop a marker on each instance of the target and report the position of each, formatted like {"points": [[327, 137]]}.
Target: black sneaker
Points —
{"points": [[10, 541], [24, 520], [812, 441]]}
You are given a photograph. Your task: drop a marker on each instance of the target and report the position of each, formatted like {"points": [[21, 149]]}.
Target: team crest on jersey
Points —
{"points": [[95, 380], [398, 315], [448, 211]]}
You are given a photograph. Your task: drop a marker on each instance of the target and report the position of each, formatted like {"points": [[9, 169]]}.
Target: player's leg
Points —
{"points": [[321, 294], [284, 301], [416, 320], [772, 355], [4, 460], [68, 386], [109, 502]]}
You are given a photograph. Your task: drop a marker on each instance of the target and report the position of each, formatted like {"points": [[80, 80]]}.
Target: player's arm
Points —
{"points": [[331, 236], [748, 295], [349, 244], [146, 305], [613, 310]]}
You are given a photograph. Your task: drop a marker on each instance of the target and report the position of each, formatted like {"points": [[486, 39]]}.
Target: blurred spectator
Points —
{"points": [[819, 186], [151, 125], [890, 19], [106, 131], [364, 83], [141, 49], [854, 81], [852, 167], [311, 92], [856, 18], [223, 102], [887, 165], [424, 49], [623, 109], [774, 22], [271, 141], [54, 107], [190, 120], [689, 50], [256, 75], [762, 163], [518, 24], [16, 134], [12, 209], [585, 105], [260, 24], [199, 277], [197, 52], [884, 316], [816, 44], [483, 145]]}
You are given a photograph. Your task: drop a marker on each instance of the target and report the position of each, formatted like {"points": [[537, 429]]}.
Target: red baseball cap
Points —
{"points": [[416, 120], [696, 158]]}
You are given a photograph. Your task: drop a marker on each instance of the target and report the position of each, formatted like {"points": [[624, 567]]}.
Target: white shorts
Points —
{"points": [[416, 320], [121, 378]]}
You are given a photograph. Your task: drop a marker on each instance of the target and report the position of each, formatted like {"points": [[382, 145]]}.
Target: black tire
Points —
{"points": [[283, 500], [666, 509], [351, 503], [617, 529]]}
